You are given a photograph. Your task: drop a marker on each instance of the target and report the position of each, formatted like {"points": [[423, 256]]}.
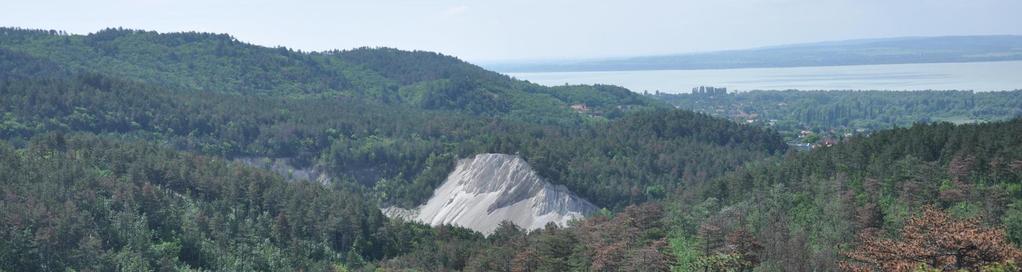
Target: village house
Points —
{"points": [[580, 108]]}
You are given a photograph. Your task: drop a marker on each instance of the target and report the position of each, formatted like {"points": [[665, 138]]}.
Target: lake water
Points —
{"points": [[977, 76]]}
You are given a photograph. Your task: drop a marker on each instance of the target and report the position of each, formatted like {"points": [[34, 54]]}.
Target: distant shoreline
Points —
{"points": [[964, 76], [752, 67], [910, 50]]}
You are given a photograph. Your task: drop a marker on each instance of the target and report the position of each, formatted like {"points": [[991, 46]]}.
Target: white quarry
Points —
{"points": [[486, 189], [284, 168]]}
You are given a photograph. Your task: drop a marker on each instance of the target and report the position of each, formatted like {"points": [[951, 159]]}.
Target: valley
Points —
{"points": [[138, 150]]}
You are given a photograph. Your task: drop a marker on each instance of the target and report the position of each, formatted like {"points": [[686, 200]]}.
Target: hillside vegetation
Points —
{"points": [[398, 144], [933, 197], [807, 210], [119, 151], [102, 120]]}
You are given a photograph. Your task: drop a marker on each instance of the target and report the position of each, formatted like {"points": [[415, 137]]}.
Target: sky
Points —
{"points": [[488, 31]]}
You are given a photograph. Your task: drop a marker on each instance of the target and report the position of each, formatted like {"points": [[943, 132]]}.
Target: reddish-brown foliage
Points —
{"points": [[620, 243], [935, 240]]}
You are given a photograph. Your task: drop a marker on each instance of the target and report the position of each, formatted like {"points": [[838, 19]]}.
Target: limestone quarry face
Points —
{"points": [[486, 189]]}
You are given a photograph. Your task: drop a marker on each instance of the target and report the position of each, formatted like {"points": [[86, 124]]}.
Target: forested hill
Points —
{"points": [[132, 150], [397, 137], [925, 198], [835, 204], [116, 150], [221, 63], [78, 202]]}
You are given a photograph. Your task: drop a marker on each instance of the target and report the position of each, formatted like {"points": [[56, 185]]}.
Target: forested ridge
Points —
{"points": [[809, 210], [932, 197], [118, 148], [398, 152], [192, 61], [385, 146]]}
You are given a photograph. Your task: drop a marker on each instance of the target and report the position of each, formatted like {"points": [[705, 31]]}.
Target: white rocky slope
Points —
{"points": [[284, 168], [489, 188]]}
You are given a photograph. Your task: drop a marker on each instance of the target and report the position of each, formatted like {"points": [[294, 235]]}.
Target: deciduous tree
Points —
{"points": [[934, 240]]}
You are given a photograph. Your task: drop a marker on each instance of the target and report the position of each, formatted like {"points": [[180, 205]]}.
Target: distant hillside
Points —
{"points": [[139, 151], [388, 121], [208, 62], [851, 52]]}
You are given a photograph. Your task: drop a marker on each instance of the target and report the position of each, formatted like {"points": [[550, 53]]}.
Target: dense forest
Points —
{"points": [[397, 152], [933, 197], [127, 150], [205, 62], [839, 208], [834, 114], [806, 210], [78, 202]]}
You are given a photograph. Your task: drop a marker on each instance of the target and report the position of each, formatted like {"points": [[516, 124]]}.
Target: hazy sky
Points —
{"points": [[486, 30]]}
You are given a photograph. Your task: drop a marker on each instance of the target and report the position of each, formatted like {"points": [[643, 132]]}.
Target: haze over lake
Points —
{"points": [[977, 76]]}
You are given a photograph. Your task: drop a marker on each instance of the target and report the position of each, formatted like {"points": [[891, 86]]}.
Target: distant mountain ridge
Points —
{"points": [[219, 63], [830, 53]]}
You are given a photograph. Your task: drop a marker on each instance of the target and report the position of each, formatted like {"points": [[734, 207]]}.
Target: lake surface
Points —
{"points": [[977, 76]]}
